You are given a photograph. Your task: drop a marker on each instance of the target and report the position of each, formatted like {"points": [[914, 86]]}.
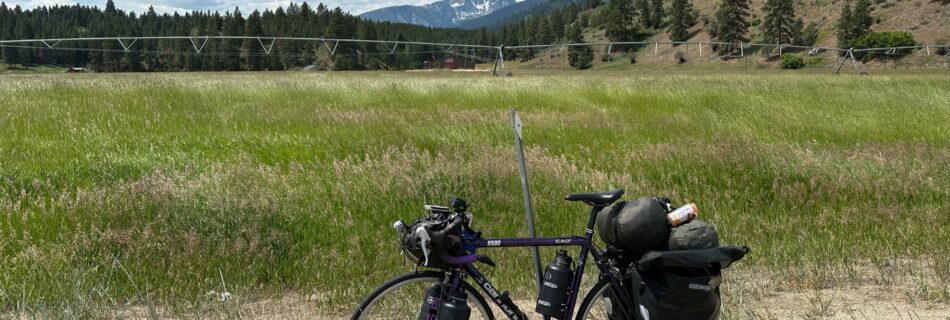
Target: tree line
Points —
{"points": [[781, 26], [296, 20], [620, 20]]}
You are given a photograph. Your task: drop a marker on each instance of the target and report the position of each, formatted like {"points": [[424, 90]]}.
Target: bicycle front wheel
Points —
{"points": [[402, 298]]}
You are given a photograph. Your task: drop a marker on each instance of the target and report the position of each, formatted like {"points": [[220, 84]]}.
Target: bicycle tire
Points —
{"points": [[480, 304]]}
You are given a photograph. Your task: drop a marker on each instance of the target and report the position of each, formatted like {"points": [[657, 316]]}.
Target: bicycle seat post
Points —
{"points": [[589, 232], [597, 201]]}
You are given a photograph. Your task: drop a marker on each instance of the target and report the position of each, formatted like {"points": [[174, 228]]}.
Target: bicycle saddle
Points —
{"points": [[597, 198]]}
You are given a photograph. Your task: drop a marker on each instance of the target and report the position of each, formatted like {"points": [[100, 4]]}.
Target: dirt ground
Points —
{"points": [[899, 289], [851, 303]]}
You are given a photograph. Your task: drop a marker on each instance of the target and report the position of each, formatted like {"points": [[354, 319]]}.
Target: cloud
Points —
{"points": [[170, 6]]}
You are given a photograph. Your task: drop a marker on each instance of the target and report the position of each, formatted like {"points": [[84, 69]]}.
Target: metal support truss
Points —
{"points": [[393, 49], [331, 51], [195, 45], [854, 62], [499, 61], [128, 46], [267, 48], [777, 51], [47, 43]]}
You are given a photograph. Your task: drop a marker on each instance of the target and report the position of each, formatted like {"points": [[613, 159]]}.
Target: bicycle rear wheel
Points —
{"points": [[402, 297], [602, 303]]}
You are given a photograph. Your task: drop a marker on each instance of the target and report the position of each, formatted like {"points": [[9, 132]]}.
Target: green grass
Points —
{"points": [[147, 188], [31, 69]]}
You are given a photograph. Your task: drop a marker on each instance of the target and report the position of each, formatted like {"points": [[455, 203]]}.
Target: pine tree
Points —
{"points": [[619, 21], [854, 23], [368, 51], [251, 49], [542, 31], [110, 8], [809, 34], [681, 19], [862, 19], [579, 57], [556, 23], [779, 25], [844, 26], [339, 27], [732, 20], [234, 25], [9, 55], [657, 14], [643, 12]]}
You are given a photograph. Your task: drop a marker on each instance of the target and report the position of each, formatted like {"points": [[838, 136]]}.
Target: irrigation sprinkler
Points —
{"points": [[730, 49], [528, 209]]}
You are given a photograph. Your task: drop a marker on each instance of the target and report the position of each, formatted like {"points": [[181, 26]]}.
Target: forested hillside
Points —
{"points": [[829, 23], [296, 20]]}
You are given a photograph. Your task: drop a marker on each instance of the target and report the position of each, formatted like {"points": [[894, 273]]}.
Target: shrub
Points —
{"points": [[679, 57], [792, 61], [942, 50], [883, 40], [580, 57]]}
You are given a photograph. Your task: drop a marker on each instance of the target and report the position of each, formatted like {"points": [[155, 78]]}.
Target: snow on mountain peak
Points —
{"points": [[442, 13]]}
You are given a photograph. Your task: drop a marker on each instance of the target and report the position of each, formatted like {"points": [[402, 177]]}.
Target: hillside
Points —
{"points": [[928, 21]]}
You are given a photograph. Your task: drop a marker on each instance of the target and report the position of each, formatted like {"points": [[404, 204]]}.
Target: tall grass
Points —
{"points": [[153, 189]]}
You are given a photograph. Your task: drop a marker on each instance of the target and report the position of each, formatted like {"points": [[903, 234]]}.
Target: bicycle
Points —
{"points": [[384, 303]]}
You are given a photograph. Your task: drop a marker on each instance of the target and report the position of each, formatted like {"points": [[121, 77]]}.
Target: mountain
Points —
{"points": [[441, 14], [515, 13]]}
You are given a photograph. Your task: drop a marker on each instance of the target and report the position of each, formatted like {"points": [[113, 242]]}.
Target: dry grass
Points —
{"points": [[149, 191]]}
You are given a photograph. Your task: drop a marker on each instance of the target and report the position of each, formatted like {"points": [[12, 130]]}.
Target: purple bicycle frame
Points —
{"points": [[587, 247]]}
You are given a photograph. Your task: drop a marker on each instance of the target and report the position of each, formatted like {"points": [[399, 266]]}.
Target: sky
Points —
{"points": [[169, 6]]}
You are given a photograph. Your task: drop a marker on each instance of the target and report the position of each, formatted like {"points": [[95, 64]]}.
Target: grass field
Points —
{"points": [[153, 189]]}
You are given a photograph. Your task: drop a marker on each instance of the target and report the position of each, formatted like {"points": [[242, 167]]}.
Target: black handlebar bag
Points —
{"points": [[684, 284]]}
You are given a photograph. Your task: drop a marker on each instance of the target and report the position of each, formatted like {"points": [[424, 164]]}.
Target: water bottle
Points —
{"points": [[454, 307], [433, 299], [555, 286], [682, 215]]}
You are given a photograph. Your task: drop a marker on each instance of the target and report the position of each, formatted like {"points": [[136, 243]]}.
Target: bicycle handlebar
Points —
{"points": [[461, 260]]}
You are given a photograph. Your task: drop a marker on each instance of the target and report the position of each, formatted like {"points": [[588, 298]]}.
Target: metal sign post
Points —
{"points": [[528, 210]]}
